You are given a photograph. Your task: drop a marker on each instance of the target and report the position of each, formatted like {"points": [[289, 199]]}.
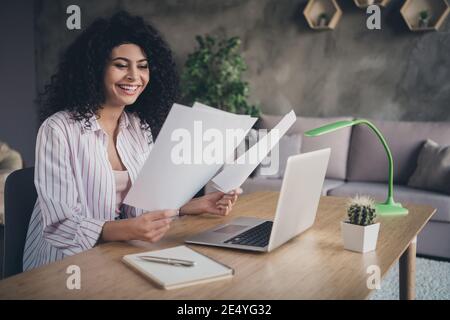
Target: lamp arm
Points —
{"points": [[390, 198]]}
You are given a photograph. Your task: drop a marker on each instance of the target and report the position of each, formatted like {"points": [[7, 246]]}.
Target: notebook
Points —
{"points": [[171, 276]]}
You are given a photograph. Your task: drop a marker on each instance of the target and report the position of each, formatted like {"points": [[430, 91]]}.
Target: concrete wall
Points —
{"points": [[17, 84], [388, 74]]}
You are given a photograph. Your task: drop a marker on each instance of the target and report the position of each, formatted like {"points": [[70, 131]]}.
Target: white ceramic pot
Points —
{"points": [[360, 238]]}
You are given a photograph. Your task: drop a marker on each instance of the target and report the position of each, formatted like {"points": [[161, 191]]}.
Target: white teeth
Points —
{"points": [[128, 88]]}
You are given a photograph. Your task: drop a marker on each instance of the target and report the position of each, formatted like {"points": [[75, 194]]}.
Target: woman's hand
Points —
{"points": [[218, 203], [150, 226]]}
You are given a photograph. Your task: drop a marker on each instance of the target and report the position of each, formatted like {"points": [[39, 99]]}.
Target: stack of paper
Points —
{"points": [[192, 146]]}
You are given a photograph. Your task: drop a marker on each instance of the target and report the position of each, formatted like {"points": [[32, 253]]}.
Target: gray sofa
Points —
{"points": [[358, 165]]}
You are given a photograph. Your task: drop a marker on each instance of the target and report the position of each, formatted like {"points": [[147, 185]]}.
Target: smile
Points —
{"points": [[128, 89]]}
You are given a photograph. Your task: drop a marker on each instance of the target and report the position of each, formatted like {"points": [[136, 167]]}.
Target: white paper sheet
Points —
{"points": [[201, 106], [233, 175], [163, 184]]}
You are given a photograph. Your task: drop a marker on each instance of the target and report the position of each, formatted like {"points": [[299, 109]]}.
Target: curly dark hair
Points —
{"points": [[78, 85]]}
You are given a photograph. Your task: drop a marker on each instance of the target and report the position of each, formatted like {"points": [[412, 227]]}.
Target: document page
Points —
{"points": [[201, 106], [189, 150], [233, 175]]}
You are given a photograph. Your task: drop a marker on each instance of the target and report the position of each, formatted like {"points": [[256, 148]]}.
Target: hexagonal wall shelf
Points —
{"points": [[425, 15], [322, 14], [366, 3]]}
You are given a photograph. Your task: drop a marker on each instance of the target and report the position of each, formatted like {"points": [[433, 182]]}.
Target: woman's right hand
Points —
{"points": [[151, 226]]}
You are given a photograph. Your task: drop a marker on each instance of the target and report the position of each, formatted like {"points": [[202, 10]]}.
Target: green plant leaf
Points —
{"points": [[212, 74]]}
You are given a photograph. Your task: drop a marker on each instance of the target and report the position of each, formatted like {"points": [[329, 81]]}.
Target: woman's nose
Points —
{"points": [[132, 74]]}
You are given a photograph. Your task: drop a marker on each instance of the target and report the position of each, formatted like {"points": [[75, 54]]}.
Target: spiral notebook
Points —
{"points": [[174, 276]]}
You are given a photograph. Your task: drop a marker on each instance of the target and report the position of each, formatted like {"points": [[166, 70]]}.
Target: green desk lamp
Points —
{"points": [[389, 207]]}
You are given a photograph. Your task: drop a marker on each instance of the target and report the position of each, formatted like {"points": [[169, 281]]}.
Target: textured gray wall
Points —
{"points": [[388, 74], [17, 84]]}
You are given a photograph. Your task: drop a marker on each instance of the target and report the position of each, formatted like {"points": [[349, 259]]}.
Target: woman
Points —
{"points": [[114, 85]]}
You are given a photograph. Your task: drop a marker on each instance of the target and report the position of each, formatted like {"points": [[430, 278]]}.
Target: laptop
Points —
{"points": [[296, 209]]}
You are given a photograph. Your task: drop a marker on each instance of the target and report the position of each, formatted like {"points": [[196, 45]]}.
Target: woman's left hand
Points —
{"points": [[218, 203]]}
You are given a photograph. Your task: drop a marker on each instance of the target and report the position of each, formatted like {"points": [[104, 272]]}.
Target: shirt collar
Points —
{"points": [[93, 125], [124, 122]]}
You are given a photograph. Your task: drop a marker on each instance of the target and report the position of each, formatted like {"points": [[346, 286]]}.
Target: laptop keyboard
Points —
{"points": [[257, 236]]}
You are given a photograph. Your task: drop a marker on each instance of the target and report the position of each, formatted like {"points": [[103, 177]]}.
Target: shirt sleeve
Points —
{"points": [[65, 225]]}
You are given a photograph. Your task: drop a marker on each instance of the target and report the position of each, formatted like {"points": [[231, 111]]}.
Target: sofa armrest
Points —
{"points": [[3, 175]]}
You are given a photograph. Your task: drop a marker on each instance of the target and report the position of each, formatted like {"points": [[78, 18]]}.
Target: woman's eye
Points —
{"points": [[144, 66], [121, 65]]}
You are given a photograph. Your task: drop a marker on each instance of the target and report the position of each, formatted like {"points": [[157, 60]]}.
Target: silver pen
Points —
{"points": [[171, 261]]}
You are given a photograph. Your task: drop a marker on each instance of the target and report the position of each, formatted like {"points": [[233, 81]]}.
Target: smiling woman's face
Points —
{"points": [[126, 75]]}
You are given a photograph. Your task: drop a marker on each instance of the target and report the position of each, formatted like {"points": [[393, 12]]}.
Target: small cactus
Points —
{"points": [[361, 211]]}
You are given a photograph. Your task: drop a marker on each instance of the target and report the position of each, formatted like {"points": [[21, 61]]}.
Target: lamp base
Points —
{"points": [[394, 209]]}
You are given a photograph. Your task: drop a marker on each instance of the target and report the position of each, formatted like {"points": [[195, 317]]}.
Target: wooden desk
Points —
{"points": [[313, 265]]}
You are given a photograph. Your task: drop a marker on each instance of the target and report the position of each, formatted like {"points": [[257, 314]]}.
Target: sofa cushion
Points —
{"points": [[433, 168], [402, 194], [288, 145], [338, 141], [253, 185], [434, 240], [262, 184], [367, 160]]}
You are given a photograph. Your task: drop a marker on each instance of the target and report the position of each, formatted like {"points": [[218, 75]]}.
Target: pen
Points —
{"points": [[171, 261]]}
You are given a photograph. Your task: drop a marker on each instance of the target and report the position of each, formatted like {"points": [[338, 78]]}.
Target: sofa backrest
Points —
{"points": [[367, 160], [338, 141]]}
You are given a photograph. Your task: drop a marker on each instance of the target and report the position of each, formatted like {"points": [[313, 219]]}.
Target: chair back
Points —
{"points": [[20, 198]]}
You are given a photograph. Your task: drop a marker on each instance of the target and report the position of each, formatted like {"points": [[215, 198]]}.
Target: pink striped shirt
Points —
{"points": [[76, 186]]}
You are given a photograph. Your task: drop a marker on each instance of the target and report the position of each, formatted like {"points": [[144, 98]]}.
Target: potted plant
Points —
{"points": [[213, 75], [323, 20], [360, 232], [424, 19]]}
